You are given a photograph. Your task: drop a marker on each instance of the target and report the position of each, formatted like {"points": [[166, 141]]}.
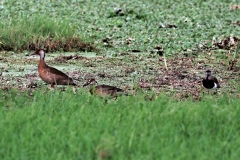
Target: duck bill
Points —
{"points": [[85, 84], [34, 53]]}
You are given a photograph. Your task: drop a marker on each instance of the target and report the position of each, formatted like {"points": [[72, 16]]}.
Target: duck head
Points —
{"points": [[39, 52], [91, 81], [208, 72]]}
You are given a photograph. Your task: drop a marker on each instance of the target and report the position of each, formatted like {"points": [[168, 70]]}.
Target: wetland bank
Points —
{"points": [[157, 51], [182, 77]]}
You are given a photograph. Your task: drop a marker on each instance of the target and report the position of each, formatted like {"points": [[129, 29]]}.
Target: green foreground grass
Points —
{"points": [[63, 125]]}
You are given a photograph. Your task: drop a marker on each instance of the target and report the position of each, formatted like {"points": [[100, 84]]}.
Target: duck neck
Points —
{"points": [[42, 63], [208, 75], [92, 88]]}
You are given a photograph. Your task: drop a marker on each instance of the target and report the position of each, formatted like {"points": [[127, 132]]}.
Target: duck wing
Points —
{"points": [[109, 88], [59, 76], [215, 81]]}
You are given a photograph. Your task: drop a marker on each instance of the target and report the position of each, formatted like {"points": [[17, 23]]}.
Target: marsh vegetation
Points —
{"points": [[157, 51]]}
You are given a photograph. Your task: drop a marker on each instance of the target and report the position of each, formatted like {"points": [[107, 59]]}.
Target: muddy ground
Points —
{"points": [[134, 72]]}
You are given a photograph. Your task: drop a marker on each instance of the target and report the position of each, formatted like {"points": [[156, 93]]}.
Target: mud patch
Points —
{"points": [[132, 72]]}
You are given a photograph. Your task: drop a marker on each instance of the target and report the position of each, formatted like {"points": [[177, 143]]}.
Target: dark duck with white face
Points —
{"points": [[210, 81], [49, 74]]}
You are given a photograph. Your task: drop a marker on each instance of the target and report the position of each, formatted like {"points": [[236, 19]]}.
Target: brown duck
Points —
{"points": [[49, 74], [103, 90], [210, 81]]}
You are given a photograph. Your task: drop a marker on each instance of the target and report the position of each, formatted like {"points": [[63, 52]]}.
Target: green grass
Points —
{"points": [[197, 22], [19, 34], [61, 125]]}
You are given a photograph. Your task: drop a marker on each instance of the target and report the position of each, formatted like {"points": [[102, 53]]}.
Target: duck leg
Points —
{"points": [[52, 85]]}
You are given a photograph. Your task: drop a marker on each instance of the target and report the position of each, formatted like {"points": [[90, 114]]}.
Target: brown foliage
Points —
{"points": [[68, 45]]}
